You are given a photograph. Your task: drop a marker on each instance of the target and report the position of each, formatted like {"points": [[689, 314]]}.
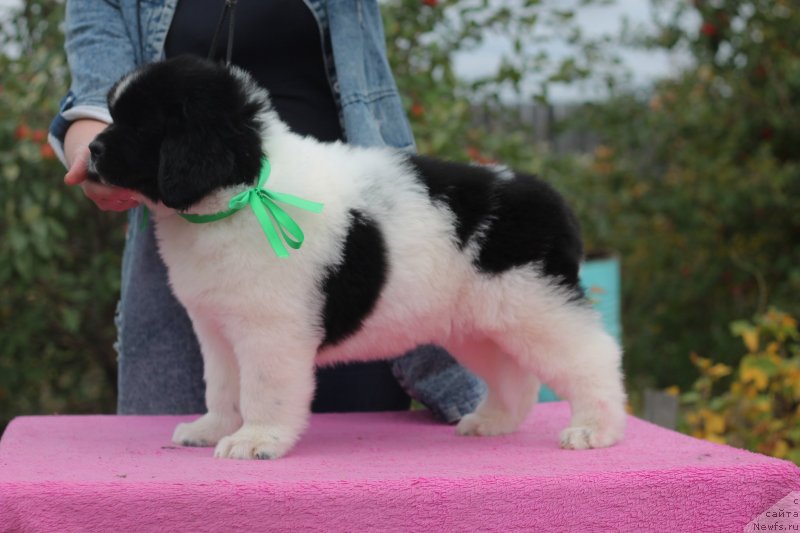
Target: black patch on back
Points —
{"points": [[465, 189], [352, 287], [531, 224], [524, 220]]}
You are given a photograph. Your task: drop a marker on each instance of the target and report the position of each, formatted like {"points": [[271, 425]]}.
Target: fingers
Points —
{"points": [[108, 197], [78, 172]]}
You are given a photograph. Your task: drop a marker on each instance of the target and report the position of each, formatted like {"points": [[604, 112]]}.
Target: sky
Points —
{"points": [[594, 20]]}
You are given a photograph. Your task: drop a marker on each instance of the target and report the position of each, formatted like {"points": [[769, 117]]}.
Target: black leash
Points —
{"points": [[230, 5]]}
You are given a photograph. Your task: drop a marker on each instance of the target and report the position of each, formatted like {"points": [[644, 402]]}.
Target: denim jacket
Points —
{"points": [[134, 32]]}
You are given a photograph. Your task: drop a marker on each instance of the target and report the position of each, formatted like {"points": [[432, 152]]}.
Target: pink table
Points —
{"points": [[387, 472]]}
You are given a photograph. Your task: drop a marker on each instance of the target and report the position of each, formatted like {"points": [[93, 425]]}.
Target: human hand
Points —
{"points": [[106, 197], [76, 148]]}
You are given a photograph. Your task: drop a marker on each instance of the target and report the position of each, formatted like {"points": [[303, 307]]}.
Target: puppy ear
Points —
{"points": [[192, 164]]}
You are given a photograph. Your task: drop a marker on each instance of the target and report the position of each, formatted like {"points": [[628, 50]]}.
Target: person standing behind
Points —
{"points": [[324, 64]]}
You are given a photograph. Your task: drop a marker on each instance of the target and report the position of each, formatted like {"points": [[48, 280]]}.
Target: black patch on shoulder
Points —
{"points": [[352, 287], [523, 219], [531, 223], [465, 189]]}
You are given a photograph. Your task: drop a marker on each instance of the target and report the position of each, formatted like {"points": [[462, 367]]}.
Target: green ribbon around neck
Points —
{"points": [[263, 202]]}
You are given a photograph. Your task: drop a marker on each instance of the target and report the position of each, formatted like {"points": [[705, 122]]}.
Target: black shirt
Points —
{"points": [[279, 42]]}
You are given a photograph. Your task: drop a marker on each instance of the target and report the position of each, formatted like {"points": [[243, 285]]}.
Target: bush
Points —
{"points": [[59, 256], [698, 183], [759, 408], [424, 40]]}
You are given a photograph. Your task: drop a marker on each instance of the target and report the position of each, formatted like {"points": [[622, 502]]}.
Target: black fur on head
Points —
{"points": [[182, 129]]}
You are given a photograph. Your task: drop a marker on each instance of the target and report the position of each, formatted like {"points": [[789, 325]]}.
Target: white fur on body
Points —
{"points": [[257, 316]]}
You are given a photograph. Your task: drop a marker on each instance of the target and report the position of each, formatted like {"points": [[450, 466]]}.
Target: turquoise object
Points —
{"points": [[600, 278]]}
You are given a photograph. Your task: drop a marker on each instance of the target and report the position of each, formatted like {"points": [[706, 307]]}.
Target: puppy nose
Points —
{"points": [[96, 149]]}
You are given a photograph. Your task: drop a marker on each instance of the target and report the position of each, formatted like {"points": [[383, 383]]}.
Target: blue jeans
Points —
{"points": [[161, 369]]}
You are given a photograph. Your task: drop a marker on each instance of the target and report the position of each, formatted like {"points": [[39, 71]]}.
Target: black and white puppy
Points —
{"points": [[408, 250]]}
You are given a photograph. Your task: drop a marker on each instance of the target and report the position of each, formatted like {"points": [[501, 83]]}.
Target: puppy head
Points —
{"points": [[182, 129]]}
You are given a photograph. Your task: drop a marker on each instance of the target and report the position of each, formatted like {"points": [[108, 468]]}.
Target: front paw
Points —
{"points": [[256, 442], [206, 430], [585, 437]]}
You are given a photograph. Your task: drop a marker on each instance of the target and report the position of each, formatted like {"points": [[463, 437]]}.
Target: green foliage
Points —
{"points": [[759, 408], [59, 256], [424, 39], [699, 184]]}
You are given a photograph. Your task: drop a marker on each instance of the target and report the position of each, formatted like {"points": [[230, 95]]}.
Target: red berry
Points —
{"points": [[475, 155], [47, 152], [22, 132], [39, 136], [708, 29]]}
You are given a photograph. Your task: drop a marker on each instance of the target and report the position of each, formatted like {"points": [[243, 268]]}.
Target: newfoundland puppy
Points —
{"points": [[390, 250]]}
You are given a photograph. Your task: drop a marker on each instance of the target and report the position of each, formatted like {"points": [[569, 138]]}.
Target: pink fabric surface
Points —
{"points": [[384, 471]]}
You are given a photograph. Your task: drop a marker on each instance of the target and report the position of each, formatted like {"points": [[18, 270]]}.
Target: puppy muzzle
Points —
{"points": [[96, 150]]}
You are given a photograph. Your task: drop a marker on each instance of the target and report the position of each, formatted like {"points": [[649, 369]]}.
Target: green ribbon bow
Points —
{"points": [[263, 202]]}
